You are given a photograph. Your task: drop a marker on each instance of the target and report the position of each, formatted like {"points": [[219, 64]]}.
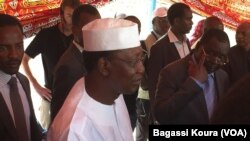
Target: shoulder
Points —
{"points": [[179, 64], [150, 37], [67, 118], [74, 97], [161, 42], [22, 77], [235, 50], [176, 68], [236, 54], [221, 73], [49, 30], [164, 39], [66, 58]]}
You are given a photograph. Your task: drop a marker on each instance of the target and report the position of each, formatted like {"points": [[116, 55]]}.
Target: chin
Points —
{"points": [[212, 69], [11, 72], [132, 90]]}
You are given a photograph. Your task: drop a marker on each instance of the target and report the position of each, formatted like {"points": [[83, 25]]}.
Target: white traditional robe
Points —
{"points": [[84, 119]]}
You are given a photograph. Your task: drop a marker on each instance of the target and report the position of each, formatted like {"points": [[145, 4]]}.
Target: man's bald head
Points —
{"points": [[212, 23]]}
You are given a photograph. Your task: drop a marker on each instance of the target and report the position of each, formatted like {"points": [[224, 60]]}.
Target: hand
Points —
{"points": [[198, 71], [43, 92]]}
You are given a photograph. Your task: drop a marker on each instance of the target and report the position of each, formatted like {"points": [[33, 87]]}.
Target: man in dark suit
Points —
{"points": [[189, 89], [172, 46], [70, 67], [234, 107], [239, 55], [11, 54]]}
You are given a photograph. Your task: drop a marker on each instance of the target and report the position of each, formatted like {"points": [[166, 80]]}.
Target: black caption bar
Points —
{"points": [[213, 132]]}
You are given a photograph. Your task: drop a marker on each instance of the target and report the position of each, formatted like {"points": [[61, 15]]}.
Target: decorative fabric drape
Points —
{"points": [[231, 12], [37, 14]]}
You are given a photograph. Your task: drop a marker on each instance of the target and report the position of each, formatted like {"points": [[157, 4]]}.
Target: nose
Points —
{"points": [[13, 53], [140, 67]]}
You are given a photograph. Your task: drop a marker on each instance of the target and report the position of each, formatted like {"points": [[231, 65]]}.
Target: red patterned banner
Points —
{"points": [[231, 12], [37, 14]]}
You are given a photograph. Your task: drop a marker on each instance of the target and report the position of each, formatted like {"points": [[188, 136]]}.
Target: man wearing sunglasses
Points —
{"points": [[189, 89]]}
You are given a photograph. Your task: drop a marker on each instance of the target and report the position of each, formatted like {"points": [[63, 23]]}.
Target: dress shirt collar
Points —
{"points": [[5, 78], [157, 35], [173, 38], [80, 48]]}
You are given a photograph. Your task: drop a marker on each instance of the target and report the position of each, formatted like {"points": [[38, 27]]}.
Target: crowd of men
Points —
{"points": [[102, 81]]}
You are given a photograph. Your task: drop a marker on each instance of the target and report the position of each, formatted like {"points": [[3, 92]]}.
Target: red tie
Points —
{"points": [[18, 110]]}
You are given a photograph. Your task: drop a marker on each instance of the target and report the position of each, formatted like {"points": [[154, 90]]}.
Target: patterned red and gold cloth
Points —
{"points": [[231, 12], [37, 14]]}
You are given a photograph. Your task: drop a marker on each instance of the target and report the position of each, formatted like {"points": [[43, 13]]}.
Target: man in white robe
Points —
{"points": [[94, 109]]}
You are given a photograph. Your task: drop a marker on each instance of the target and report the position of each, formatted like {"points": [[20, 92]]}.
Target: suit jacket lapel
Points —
{"points": [[7, 119], [79, 57], [174, 49], [33, 122], [77, 53], [220, 84], [26, 89]]}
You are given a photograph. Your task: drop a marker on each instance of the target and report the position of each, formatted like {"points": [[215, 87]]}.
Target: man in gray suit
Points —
{"points": [[70, 67], [17, 117], [189, 89]]}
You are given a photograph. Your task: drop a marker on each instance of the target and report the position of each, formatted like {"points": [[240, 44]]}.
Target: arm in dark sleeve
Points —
{"points": [[60, 89], [37, 45], [155, 64]]}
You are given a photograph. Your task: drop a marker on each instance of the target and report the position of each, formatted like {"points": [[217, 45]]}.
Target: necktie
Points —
{"points": [[210, 95], [18, 110]]}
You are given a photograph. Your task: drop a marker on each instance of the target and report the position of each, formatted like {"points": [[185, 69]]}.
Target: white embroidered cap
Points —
{"points": [[110, 34], [120, 15], [160, 12]]}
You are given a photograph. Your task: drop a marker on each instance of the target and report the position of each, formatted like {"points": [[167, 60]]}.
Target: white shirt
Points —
{"points": [[84, 119], [5, 92], [181, 47]]}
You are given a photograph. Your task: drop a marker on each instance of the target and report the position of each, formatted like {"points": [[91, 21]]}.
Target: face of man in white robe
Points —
{"points": [[126, 70]]}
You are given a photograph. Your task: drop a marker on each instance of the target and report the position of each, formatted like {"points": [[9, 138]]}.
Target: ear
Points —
{"points": [[177, 20], [103, 66]]}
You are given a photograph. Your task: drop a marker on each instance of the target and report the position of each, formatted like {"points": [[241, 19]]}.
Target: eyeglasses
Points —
{"points": [[219, 60], [134, 62]]}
